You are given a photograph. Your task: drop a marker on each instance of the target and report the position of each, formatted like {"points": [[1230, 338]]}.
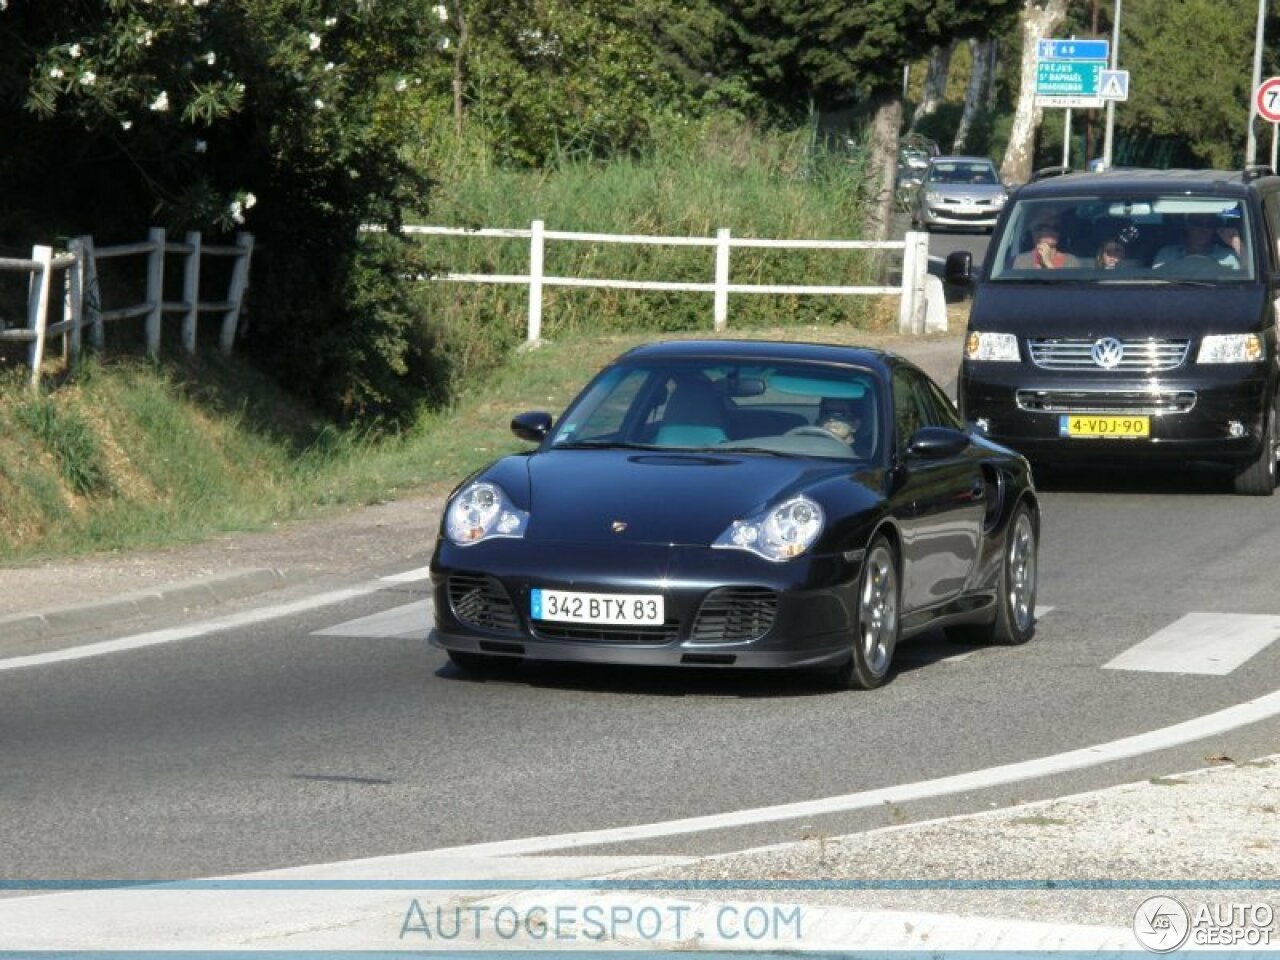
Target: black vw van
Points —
{"points": [[1130, 314]]}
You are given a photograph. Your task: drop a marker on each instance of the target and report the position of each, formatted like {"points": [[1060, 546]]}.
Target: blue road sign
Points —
{"points": [[1073, 49], [1068, 78]]}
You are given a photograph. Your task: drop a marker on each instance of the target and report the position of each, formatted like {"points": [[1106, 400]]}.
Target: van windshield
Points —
{"points": [[1144, 238]]}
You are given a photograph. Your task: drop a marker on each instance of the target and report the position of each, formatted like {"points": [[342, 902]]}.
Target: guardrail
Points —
{"points": [[914, 249], [81, 298]]}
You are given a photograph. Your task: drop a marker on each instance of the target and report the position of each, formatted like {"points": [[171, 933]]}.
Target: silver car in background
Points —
{"points": [[959, 193]]}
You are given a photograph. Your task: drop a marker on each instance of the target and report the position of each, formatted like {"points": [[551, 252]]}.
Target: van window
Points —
{"points": [[1143, 238]]}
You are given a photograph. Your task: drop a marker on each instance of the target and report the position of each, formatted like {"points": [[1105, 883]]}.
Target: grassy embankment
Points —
{"points": [[123, 452]]}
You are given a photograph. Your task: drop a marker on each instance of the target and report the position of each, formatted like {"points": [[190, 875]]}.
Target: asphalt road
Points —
{"points": [[312, 738]]}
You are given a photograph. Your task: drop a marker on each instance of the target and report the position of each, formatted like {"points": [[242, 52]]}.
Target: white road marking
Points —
{"points": [[1198, 728], [409, 576], [203, 629], [412, 620], [1202, 643]]}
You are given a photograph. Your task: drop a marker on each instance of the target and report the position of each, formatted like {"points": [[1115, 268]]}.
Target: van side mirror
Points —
{"points": [[959, 268]]}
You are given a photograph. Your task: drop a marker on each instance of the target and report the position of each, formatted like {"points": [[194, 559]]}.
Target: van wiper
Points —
{"points": [[1172, 282]]}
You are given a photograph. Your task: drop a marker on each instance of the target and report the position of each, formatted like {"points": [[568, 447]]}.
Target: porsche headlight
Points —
{"points": [[1230, 348], [779, 533], [991, 346], [482, 511]]}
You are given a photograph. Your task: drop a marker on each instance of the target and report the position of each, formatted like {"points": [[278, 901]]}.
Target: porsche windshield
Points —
{"points": [[1141, 239], [750, 407]]}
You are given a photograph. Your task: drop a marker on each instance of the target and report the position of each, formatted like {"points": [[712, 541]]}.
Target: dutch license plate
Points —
{"points": [[572, 607], [1089, 426]]}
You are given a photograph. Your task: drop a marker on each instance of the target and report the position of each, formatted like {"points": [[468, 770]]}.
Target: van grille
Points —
{"points": [[1140, 356], [1154, 402]]}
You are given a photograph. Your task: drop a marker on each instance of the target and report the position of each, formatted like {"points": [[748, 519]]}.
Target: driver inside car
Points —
{"points": [[839, 418]]}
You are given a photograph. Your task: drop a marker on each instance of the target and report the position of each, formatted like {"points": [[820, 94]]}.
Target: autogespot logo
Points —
{"points": [[1161, 924]]}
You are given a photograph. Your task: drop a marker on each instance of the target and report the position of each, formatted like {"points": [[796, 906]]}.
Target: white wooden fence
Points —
{"points": [[81, 292], [914, 252]]}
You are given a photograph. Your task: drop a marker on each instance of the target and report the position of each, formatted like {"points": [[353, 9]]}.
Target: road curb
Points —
{"points": [[54, 623]]}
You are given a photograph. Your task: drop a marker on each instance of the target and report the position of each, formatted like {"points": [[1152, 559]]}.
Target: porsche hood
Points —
{"points": [[629, 496]]}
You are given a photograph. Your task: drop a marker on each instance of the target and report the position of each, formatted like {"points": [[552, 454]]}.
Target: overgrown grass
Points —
{"points": [[707, 176]]}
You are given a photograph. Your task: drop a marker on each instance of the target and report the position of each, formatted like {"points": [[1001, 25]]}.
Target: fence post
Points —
{"points": [[191, 290], [235, 296], [155, 288], [75, 296], [92, 294], [537, 242], [906, 304], [920, 299], [721, 314], [38, 308]]}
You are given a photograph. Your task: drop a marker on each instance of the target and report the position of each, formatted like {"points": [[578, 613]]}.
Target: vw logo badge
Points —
{"points": [[1107, 352]]}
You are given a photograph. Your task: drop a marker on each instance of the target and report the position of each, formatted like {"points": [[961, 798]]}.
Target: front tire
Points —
{"points": [[1015, 621], [1258, 477], [876, 635]]}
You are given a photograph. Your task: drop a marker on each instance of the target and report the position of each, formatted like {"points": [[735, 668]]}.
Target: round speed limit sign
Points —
{"points": [[1267, 100]]}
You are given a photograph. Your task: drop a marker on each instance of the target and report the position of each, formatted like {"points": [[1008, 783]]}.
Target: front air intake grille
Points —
{"points": [[607, 633], [482, 602], [1139, 356], [735, 615], [1152, 402]]}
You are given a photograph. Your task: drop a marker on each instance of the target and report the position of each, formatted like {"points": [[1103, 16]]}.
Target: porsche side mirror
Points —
{"points": [[532, 426], [937, 443]]}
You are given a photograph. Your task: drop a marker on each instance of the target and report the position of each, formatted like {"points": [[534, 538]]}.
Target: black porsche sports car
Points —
{"points": [[739, 504]]}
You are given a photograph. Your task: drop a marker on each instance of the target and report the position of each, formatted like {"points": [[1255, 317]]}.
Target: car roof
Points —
{"points": [[956, 158], [767, 350], [1116, 181]]}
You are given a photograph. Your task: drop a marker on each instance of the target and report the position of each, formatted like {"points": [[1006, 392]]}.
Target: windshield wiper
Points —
{"points": [[1179, 282]]}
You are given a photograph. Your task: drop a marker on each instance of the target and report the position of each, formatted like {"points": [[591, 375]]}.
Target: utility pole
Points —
{"points": [[1251, 149], [1109, 137], [1089, 117]]}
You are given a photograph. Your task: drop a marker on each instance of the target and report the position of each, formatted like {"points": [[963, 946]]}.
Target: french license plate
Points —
{"points": [[1089, 426], [572, 607]]}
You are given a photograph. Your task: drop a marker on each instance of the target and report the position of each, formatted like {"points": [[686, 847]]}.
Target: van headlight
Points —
{"points": [[481, 511], [991, 346], [1230, 348]]}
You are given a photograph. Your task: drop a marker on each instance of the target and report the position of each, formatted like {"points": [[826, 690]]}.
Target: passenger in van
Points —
{"points": [[1110, 255], [1229, 236], [1201, 241], [1046, 231]]}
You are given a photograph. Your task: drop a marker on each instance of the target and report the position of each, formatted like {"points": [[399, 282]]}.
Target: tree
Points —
{"points": [[797, 55], [1190, 63], [545, 79], [978, 91], [1039, 19], [281, 116], [935, 82]]}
